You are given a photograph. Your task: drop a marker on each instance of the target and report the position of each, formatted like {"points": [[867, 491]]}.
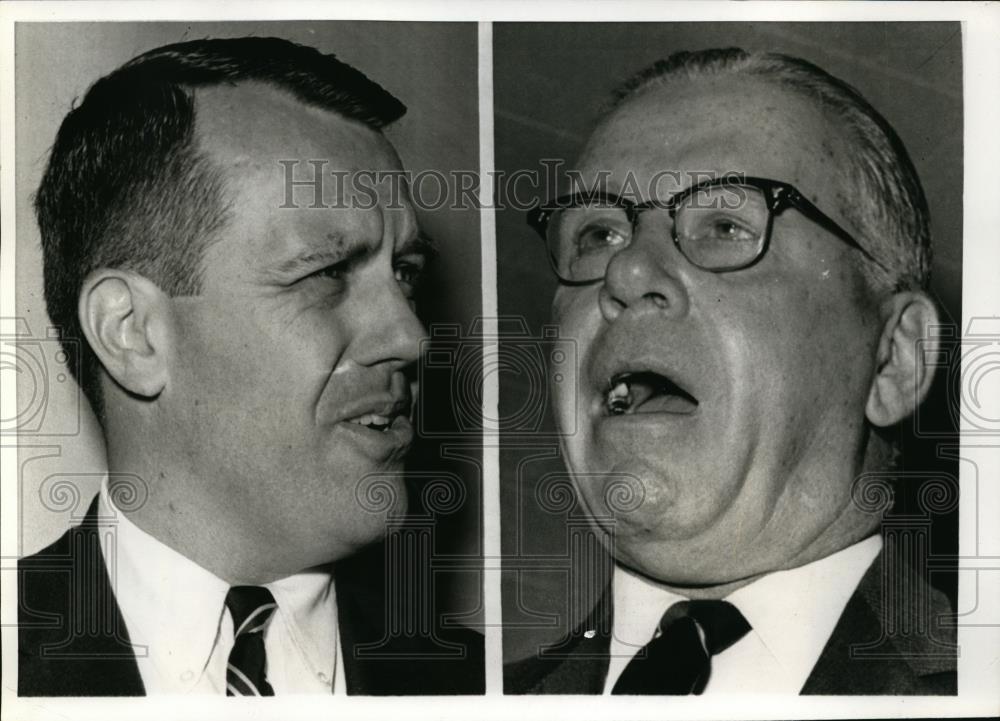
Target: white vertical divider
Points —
{"points": [[491, 386]]}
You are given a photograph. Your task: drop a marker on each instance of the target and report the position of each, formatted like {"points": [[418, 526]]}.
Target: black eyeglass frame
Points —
{"points": [[779, 197]]}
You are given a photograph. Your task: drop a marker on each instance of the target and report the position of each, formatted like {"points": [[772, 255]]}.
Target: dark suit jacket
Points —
{"points": [[72, 640], [860, 658]]}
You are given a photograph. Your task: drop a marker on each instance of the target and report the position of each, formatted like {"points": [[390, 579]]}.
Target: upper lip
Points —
{"points": [[380, 404]]}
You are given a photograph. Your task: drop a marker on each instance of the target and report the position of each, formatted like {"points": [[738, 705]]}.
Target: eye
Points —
{"points": [[329, 281], [409, 272], [599, 237], [333, 272], [724, 228]]}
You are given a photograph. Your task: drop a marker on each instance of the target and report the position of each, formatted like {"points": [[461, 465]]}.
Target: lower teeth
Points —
{"points": [[619, 402], [618, 408]]}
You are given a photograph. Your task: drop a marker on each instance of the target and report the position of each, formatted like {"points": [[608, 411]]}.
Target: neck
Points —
{"points": [[850, 528], [163, 500], [695, 592]]}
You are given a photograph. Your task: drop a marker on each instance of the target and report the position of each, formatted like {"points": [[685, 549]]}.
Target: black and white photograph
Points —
{"points": [[230, 286], [729, 273], [550, 361]]}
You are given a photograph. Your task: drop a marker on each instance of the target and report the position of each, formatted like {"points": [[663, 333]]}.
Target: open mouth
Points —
{"points": [[381, 416], [374, 421], [646, 392]]}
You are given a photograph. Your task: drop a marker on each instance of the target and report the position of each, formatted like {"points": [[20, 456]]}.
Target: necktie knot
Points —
{"points": [[251, 608], [679, 658], [719, 622]]}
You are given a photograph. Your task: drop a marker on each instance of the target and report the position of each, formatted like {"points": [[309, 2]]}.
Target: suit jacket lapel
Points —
{"points": [[858, 659], [357, 624], [580, 667], [577, 665], [862, 658], [72, 639], [383, 656]]}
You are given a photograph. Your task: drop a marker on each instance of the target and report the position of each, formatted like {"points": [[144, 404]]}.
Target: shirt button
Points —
{"points": [[323, 677], [187, 675]]}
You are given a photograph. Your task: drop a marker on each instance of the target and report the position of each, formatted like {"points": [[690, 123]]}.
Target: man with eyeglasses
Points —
{"points": [[744, 269]]}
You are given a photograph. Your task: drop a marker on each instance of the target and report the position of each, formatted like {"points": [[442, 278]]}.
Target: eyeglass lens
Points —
{"points": [[716, 228]]}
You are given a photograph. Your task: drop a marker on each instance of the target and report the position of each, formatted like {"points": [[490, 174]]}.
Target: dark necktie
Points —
{"points": [[679, 658], [251, 608]]}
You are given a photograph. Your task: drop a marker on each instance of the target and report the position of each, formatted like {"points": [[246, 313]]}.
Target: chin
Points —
{"points": [[649, 502], [359, 532]]}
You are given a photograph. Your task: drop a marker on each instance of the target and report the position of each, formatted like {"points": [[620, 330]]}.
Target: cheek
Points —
{"points": [[213, 349], [576, 313], [563, 304], [804, 351], [244, 354], [808, 321], [837, 329]]}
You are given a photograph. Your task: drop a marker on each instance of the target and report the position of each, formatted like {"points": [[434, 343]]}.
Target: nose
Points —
{"points": [[387, 329], [644, 277]]}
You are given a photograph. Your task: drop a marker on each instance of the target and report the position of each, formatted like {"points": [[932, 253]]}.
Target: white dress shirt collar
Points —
{"points": [[308, 609], [174, 610], [172, 606], [792, 613]]}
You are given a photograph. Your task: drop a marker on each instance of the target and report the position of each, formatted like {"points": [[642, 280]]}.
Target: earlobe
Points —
{"points": [[903, 377], [123, 318]]}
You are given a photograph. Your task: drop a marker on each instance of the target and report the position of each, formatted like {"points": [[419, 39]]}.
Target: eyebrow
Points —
{"points": [[349, 251], [420, 244], [311, 259]]}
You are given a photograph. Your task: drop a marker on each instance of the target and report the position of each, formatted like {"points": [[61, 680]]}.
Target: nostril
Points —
{"points": [[611, 307], [658, 299]]}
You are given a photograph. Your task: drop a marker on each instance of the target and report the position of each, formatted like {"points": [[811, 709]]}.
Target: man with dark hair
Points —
{"points": [[251, 363], [745, 278]]}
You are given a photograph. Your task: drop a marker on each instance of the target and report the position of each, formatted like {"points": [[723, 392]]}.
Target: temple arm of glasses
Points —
{"points": [[806, 207]]}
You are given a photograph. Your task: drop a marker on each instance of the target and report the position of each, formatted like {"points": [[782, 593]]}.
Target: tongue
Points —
{"points": [[650, 397]]}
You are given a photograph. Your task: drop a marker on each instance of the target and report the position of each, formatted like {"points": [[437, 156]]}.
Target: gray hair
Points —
{"points": [[890, 208]]}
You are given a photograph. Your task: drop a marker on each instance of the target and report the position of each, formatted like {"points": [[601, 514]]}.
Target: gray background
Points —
{"points": [[550, 80], [431, 67]]}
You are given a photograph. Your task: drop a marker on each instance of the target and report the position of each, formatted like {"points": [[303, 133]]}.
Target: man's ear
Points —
{"points": [[125, 318], [902, 377]]}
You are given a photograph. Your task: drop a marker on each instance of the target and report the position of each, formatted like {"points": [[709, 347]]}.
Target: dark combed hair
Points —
{"points": [[889, 203], [126, 185]]}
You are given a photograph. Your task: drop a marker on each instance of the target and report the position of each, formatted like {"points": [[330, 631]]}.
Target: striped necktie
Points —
{"points": [[679, 658], [251, 608]]}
